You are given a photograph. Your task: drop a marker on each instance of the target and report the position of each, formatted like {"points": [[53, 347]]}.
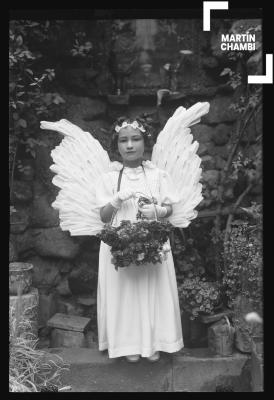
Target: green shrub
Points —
{"points": [[243, 262]]}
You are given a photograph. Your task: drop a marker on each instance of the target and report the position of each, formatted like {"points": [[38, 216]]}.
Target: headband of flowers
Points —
{"points": [[134, 125]]}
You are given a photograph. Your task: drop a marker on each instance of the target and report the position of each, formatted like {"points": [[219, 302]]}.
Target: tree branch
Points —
{"points": [[213, 213], [230, 217]]}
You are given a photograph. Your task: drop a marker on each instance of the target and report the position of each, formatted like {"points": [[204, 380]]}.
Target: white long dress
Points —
{"points": [[137, 306]]}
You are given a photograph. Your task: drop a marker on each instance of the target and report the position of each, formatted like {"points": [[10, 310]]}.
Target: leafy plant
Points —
{"points": [[198, 296], [81, 47], [242, 260], [29, 371], [31, 97], [241, 169], [186, 255]]}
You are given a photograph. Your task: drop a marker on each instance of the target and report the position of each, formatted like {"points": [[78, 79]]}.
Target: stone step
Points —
{"points": [[198, 370], [69, 322], [189, 370]]}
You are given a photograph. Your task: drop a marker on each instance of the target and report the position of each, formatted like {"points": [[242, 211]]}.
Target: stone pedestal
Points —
{"points": [[27, 305], [68, 330], [62, 338]]}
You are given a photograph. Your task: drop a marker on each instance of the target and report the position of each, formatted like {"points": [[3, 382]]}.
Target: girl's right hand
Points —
{"points": [[121, 196], [125, 194]]}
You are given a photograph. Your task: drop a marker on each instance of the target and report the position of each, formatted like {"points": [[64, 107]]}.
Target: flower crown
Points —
{"points": [[134, 125]]}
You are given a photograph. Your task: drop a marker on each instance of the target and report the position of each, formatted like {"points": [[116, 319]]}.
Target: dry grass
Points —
{"points": [[29, 369]]}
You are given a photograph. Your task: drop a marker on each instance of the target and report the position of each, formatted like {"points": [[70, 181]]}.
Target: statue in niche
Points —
{"points": [[145, 77], [122, 58], [120, 69]]}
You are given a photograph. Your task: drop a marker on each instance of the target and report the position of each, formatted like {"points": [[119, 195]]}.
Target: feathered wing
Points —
{"points": [[79, 160], [175, 153]]}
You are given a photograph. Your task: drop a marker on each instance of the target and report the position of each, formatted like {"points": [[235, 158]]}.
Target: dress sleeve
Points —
{"points": [[168, 192], [103, 190]]}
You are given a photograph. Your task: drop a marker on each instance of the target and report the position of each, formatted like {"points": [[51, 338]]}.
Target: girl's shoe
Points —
{"points": [[154, 357], [133, 358]]}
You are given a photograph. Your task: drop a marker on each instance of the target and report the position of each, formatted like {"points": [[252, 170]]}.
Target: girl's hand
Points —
{"points": [[121, 196], [125, 194], [148, 210]]}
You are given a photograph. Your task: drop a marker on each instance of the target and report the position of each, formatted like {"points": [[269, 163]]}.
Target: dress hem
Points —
{"points": [[144, 352]]}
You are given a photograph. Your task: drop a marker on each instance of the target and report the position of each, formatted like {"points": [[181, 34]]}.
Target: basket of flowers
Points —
{"points": [[137, 243]]}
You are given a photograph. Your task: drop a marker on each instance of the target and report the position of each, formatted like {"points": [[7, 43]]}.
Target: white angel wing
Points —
{"points": [[78, 162], [175, 153]]}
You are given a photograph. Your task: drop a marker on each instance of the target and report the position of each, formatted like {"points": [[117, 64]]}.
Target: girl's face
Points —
{"points": [[131, 144]]}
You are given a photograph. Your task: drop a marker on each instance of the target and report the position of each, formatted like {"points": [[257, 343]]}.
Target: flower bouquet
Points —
{"points": [[138, 242]]}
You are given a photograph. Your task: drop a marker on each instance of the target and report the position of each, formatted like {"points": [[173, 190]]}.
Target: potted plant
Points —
{"points": [[199, 296]]}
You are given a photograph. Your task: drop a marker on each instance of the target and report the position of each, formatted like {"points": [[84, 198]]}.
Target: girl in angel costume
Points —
{"points": [[138, 310]]}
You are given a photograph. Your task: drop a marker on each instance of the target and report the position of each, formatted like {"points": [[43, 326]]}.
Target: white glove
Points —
{"points": [[121, 196], [148, 210], [161, 211]]}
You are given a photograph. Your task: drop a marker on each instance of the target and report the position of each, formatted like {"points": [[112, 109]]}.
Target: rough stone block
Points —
{"points": [[69, 306], [198, 370], [64, 338], [221, 151], [43, 215], [87, 300], [219, 162], [45, 272], [23, 242], [47, 307], [63, 288], [83, 278], [53, 242], [202, 133], [220, 110], [91, 340], [221, 134], [202, 149], [19, 220], [257, 373], [69, 322]]}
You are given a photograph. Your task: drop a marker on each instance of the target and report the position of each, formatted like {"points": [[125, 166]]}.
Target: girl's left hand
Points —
{"points": [[148, 210]]}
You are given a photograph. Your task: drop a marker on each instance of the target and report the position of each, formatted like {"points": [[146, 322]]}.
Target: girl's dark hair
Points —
{"points": [[147, 135]]}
